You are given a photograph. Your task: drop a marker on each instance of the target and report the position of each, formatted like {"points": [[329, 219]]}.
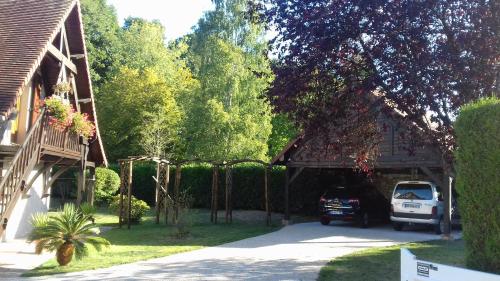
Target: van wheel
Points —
{"points": [[397, 226], [324, 221], [365, 220], [439, 227]]}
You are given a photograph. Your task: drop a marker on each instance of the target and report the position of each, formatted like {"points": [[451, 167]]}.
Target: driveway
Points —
{"points": [[295, 252]]}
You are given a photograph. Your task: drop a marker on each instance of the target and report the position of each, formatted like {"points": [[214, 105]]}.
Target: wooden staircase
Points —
{"points": [[13, 182]]}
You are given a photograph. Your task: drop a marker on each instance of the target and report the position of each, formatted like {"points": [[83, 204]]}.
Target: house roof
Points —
{"points": [[27, 28]]}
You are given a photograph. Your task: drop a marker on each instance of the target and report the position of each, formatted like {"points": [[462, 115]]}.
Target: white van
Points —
{"points": [[417, 202]]}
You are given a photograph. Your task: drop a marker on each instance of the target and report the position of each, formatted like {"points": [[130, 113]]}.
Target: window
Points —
{"points": [[413, 191]]}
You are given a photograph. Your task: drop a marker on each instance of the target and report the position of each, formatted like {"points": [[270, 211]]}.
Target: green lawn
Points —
{"points": [[383, 264], [149, 240]]}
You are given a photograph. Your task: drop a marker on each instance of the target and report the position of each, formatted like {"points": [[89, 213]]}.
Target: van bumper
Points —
{"points": [[414, 220]]}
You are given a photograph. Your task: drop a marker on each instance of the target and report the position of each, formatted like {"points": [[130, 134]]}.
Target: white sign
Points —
{"points": [[419, 270]]}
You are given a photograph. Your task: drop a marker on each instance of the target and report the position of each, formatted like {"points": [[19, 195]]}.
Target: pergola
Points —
{"points": [[162, 180]]}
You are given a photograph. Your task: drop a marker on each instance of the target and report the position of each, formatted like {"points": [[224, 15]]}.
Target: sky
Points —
{"points": [[178, 16]]}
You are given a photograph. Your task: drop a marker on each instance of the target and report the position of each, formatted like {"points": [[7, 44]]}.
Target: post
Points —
{"points": [[176, 191], [130, 169], [212, 196], [165, 195], [91, 186], [286, 217], [81, 186], [447, 181], [157, 193], [216, 192], [122, 192], [266, 196], [228, 191]]}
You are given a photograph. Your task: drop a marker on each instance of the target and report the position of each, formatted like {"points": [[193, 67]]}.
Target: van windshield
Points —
{"points": [[413, 191]]}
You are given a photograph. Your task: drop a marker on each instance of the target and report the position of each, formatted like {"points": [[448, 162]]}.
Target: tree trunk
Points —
{"points": [[64, 253]]}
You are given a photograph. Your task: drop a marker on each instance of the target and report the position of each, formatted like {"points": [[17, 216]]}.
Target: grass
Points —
{"points": [[383, 264], [149, 240]]}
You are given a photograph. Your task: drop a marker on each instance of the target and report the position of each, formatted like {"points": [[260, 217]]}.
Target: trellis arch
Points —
{"points": [[162, 181]]}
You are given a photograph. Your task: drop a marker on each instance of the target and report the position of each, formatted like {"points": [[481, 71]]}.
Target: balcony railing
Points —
{"points": [[59, 142]]}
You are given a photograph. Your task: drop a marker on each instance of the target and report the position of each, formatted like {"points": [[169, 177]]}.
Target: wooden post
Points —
{"points": [[266, 196], [176, 192], [81, 186], [447, 206], [158, 196], [165, 195], [212, 196], [123, 178], [229, 183], [286, 217], [216, 193], [130, 167], [91, 186]]}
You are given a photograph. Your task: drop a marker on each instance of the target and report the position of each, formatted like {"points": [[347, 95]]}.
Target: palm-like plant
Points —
{"points": [[68, 232]]}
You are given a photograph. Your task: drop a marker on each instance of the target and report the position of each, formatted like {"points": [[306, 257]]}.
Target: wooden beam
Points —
{"points": [[296, 174], [433, 176], [62, 58]]}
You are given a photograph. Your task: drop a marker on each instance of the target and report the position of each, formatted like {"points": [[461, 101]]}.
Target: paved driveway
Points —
{"points": [[296, 252]]}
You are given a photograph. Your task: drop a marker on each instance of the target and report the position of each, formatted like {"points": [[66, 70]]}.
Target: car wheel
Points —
{"points": [[324, 221], [439, 227], [365, 220], [397, 226]]}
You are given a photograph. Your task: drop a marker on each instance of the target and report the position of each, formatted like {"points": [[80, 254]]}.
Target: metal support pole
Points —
{"points": [[447, 206]]}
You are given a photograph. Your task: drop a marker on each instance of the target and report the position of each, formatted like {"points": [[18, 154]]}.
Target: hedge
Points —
{"points": [[248, 187], [478, 182]]}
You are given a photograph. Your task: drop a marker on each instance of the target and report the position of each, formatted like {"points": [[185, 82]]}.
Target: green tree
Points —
{"points": [[102, 40], [283, 132], [125, 100], [227, 117]]}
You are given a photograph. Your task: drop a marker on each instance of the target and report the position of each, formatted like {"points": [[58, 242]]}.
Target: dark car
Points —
{"points": [[362, 204]]}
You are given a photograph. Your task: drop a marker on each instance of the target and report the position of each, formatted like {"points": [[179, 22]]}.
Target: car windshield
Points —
{"points": [[413, 191], [339, 191]]}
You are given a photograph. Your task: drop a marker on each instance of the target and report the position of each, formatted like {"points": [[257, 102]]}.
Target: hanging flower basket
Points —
{"points": [[63, 116]]}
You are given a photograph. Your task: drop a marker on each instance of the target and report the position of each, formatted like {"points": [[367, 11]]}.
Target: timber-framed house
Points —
{"points": [[41, 45]]}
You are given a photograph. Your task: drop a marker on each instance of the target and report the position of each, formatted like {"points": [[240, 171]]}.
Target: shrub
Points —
{"points": [[107, 183], [478, 182], [139, 208]]}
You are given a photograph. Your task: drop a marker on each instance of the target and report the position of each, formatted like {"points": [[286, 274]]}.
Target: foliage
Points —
{"points": [[60, 114], [227, 118], [339, 59], [63, 116], [102, 40], [107, 183], [139, 208], [68, 226], [248, 186], [146, 95], [160, 132], [282, 133], [478, 181], [81, 125]]}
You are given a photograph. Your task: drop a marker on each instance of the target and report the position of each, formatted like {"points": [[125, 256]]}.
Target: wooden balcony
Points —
{"points": [[59, 143]]}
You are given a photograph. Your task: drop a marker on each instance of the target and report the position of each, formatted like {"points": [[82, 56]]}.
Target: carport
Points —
{"points": [[395, 162]]}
